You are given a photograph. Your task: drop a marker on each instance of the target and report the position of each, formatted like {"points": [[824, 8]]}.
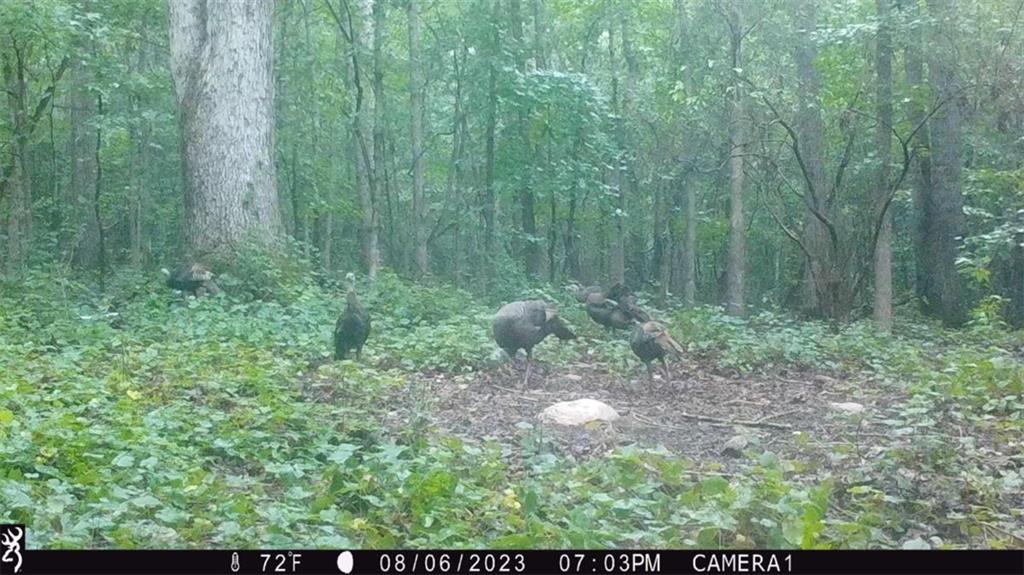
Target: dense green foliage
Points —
{"points": [[186, 423]]}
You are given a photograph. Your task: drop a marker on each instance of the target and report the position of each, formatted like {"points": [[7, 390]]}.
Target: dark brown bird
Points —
{"points": [[353, 325], [194, 278], [615, 308], [524, 324], [651, 341]]}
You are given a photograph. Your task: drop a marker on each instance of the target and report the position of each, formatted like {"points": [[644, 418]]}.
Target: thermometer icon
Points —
{"points": [[234, 562]]}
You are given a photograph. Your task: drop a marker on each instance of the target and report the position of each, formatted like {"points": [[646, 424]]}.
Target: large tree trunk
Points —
{"points": [[945, 223], [416, 104], [819, 281], [736, 264], [221, 60], [883, 146]]}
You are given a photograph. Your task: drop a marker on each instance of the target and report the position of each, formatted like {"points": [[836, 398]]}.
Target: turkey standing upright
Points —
{"points": [[353, 326], [524, 324], [651, 341]]}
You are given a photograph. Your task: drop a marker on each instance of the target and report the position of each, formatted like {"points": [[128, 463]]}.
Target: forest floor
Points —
{"points": [[693, 416]]}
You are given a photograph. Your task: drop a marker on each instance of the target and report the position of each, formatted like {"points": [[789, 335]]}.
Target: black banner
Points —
{"points": [[401, 562]]}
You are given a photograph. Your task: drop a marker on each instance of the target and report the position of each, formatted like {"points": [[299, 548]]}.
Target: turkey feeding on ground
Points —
{"points": [[524, 324], [615, 308], [651, 341], [195, 279], [353, 325]]}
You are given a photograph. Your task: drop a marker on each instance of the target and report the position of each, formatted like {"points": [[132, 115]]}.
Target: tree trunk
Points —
{"points": [[819, 273], [573, 266], [736, 264], [618, 263], [689, 252], [141, 156], [690, 246], [17, 185], [487, 207], [358, 31], [945, 223], [221, 61], [81, 193], [914, 67], [380, 179], [1016, 281], [883, 147], [416, 104]]}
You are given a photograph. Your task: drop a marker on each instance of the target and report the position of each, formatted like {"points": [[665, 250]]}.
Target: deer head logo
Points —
{"points": [[12, 541]]}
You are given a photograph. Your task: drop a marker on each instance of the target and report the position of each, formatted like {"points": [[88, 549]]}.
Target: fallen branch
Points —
{"points": [[1001, 530], [776, 415], [713, 421]]}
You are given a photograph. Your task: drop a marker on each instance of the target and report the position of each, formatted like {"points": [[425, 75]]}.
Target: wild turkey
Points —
{"points": [[353, 325], [195, 279], [524, 324], [582, 293], [615, 308], [651, 341]]}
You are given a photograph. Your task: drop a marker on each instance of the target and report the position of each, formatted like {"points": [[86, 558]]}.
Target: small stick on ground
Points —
{"points": [[776, 415], [714, 421]]}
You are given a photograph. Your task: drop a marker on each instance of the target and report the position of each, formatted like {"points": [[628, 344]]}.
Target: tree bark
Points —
{"points": [[945, 223], [380, 178], [618, 263], [883, 147], [221, 61], [85, 236], [914, 69], [820, 282], [690, 245], [141, 157], [488, 199], [416, 105], [1016, 281], [736, 264]]}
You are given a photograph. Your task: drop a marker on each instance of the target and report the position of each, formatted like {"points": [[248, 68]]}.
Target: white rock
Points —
{"points": [[847, 407], [735, 446], [573, 377], [579, 412]]}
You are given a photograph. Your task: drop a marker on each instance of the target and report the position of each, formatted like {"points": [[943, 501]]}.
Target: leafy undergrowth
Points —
{"points": [[140, 419]]}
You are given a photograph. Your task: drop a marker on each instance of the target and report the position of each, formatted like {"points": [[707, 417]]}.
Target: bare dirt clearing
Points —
{"points": [[693, 416]]}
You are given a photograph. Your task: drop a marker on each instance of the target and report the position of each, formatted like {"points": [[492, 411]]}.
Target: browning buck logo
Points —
{"points": [[12, 539]]}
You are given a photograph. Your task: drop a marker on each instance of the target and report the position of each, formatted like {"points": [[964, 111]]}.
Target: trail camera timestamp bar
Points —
{"points": [[17, 558], [468, 562]]}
